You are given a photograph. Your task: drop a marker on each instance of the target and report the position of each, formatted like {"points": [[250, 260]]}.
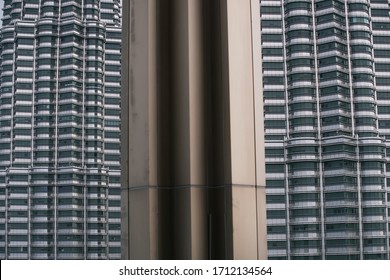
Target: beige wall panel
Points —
{"points": [[143, 224], [244, 223], [241, 92], [139, 169], [142, 93]]}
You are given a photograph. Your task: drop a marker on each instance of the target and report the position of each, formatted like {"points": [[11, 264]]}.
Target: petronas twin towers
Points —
{"points": [[326, 91], [59, 130]]}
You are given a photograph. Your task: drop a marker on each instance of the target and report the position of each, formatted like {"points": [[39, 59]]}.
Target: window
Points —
{"points": [[362, 63], [335, 105], [107, 6], [305, 212], [371, 165], [302, 150], [264, 24], [267, 10], [331, 32], [333, 75], [365, 107], [380, 12], [302, 166], [382, 81], [333, 60], [274, 168], [382, 53], [299, 48], [270, 38], [365, 121], [359, 20], [298, 20], [275, 124], [300, 62], [301, 92], [362, 77], [274, 152], [299, 34], [297, 6], [374, 211], [358, 7], [333, 17], [269, 109], [300, 77], [273, 65], [273, 80], [381, 40], [276, 214], [363, 92], [381, 26], [382, 67], [304, 197], [273, 94], [275, 183], [360, 35], [340, 180], [329, 4]]}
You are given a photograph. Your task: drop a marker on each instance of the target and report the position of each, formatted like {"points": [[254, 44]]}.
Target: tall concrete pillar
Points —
{"points": [[192, 130]]}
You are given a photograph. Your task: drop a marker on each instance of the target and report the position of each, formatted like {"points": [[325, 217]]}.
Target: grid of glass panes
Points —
{"points": [[59, 155], [325, 160]]}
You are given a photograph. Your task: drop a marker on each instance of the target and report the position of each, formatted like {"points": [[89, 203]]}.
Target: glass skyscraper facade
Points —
{"points": [[326, 82], [59, 129]]}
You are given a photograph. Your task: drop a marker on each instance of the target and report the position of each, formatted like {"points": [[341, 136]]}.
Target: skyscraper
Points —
{"points": [[326, 73], [59, 129]]}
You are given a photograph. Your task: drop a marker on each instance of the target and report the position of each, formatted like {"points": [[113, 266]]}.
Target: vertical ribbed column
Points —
{"points": [[189, 192], [192, 128]]}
